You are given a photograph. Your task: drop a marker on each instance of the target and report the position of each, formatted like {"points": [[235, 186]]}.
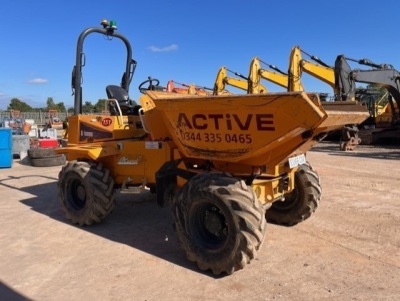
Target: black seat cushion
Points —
{"points": [[118, 93], [128, 106]]}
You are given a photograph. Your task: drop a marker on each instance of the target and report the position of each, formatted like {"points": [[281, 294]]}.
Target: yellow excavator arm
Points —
{"points": [[255, 86], [279, 79], [294, 71], [222, 80], [325, 74], [297, 65], [247, 85]]}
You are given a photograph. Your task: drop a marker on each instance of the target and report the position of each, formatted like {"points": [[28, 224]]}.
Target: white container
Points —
{"points": [[49, 133]]}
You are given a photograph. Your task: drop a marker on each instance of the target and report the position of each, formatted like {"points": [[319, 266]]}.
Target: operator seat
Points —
{"points": [[127, 105]]}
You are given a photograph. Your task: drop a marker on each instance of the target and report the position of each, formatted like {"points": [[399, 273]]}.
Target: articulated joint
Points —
{"points": [[167, 181]]}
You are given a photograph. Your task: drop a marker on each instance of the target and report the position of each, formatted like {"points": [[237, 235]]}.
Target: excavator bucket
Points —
{"points": [[349, 132], [251, 129]]}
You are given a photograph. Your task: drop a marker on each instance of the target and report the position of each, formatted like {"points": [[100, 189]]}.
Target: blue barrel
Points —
{"points": [[6, 156]]}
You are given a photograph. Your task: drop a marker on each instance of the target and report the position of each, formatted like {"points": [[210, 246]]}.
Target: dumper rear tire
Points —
{"points": [[220, 223], [86, 191], [299, 204]]}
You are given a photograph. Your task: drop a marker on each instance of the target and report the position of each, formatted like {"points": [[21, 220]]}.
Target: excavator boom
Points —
{"points": [[386, 78], [222, 80], [325, 74], [248, 84], [274, 77], [346, 78], [255, 85], [279, 79], [294, 72], [297, 65]]}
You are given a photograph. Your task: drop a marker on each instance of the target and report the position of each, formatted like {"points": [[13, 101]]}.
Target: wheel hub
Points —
{"points": [[76, 195], [214, 222], [81, 193]]}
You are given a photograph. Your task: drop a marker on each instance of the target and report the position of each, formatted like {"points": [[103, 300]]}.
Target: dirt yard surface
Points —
{"points": [[348, 250]]}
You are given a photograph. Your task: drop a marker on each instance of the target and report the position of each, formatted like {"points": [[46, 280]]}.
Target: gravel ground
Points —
{"points": [[348, 250]]}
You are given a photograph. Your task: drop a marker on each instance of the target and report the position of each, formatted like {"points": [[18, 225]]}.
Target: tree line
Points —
{"points": [[87, 107]]}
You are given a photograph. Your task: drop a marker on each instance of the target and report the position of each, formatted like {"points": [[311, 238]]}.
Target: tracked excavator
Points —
{"points": [[245, 83], [386, 125], [225, 164]]}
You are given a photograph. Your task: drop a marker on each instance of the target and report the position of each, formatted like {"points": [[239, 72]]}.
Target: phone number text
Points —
{"points": [[217, 137]]}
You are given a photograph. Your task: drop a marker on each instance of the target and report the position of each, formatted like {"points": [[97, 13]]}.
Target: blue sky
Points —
{"points": [[186, 41]]}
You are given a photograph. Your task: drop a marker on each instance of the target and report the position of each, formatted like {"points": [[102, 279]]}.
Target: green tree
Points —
{"points": [[61, 107], [100, 106], [87, 107], [16, 104], [50, 104]]}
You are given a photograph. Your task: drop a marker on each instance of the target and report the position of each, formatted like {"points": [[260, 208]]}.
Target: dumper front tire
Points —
{"points": [[86, 191], [220, 223], [299, 204]]}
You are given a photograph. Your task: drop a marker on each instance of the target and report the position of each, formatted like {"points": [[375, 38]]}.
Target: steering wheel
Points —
{"points": [[151, 83]]}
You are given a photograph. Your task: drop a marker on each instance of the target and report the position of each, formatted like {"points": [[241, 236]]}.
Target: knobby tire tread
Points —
{"points": [[99, 187], [308, 191], [241, 207]]}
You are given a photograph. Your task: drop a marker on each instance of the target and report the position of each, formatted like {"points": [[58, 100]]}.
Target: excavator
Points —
{"points": [[386, 125], [343, 80], [243, 83], [349, 137]]}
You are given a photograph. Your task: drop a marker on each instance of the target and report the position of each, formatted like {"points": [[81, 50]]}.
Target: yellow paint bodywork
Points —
{"points": [[130, 161], [244, 130], [83, 129], [269, 128], [244, 135]]}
